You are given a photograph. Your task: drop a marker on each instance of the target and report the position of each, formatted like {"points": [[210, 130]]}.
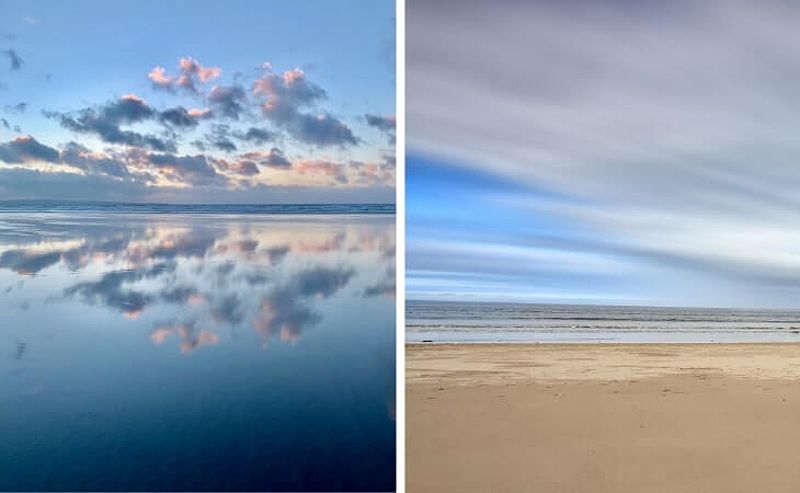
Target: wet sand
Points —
{"points": [[603, 418]]}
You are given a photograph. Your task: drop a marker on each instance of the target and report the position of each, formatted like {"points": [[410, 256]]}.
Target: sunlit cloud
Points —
{"points": [[261, 137]]}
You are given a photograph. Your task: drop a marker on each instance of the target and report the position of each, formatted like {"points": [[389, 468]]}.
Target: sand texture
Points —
{"points": [[603, 418]]}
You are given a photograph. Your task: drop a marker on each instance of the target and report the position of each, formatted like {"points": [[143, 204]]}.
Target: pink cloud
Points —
{"points": [[354, 173], [191, 70], [293, 76], [191, 66], [132, 97], [199, 112], [159, 77], [328, 168]]}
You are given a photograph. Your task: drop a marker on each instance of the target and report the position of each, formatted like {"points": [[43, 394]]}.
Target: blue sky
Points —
{"points": [[467, 240], [604, 152], [314, 79]]}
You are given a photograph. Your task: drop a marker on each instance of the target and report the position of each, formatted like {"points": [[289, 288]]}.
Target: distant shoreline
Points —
{"points": [[159, 208]]}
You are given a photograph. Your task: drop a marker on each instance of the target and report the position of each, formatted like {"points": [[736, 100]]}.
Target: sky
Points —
{"points": [[604, 152], [198, 102]]}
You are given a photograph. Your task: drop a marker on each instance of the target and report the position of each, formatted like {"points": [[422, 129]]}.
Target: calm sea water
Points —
{"points": [[492, 322], [235, 209], [146, 350]]}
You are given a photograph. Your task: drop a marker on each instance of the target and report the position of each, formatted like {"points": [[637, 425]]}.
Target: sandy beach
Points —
{"points": [[603, 418]]}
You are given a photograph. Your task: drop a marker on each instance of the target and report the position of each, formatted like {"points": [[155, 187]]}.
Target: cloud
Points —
{"points": [[227, 100], [224, 144], [243, 167], [20, 184], [18, 108], [200, 113], [389, 162], [321, 130], [161, 80], [105, 122], [328, 168], [289, 101], [159, 77], [192, 72], [143, 156], [26, 149], [78, 156], [284, 97], [191, 66], [370, 173], [188, 170], [274, 158], [195, 170], [386, 124], [255, 135], [219, 138], [665, 133], [354, 173], [15, 60], [284, 93], [180, 117], [247, 163]]}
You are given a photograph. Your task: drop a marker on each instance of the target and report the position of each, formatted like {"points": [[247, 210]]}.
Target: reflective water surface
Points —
{"points": [[196, 352]]}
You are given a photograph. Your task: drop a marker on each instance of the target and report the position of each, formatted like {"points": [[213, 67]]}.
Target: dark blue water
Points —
{"points": [[213, 352]]}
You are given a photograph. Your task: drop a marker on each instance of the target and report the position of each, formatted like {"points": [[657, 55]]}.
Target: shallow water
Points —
{"points": [[196, 351], [512, 322]]}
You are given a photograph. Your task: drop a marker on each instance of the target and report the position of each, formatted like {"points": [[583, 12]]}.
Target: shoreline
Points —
{"points": [[739, 337], [603, 417], [591, 343], [415, 344]]}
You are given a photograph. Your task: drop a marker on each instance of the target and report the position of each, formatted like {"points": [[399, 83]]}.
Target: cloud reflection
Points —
{"points": [[196, 281], [285, 311], [190, 337]]}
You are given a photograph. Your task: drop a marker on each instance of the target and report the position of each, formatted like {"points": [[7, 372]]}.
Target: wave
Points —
{"points": [[477, 321]]}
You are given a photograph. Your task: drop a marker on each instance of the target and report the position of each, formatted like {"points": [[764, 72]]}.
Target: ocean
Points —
{"points": [[438, 321], [197, 348], [234, 209]]}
